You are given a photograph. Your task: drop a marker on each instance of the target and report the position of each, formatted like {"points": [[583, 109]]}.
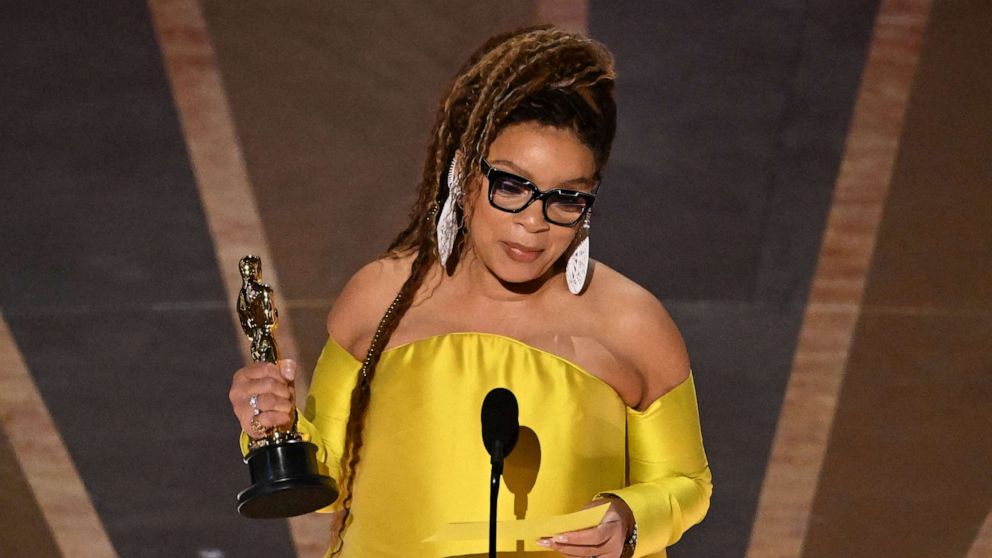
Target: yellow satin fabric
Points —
{"points": [[423, 463]]}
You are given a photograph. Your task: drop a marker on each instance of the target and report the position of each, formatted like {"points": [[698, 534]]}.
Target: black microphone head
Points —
{"points": [[500, 421]]}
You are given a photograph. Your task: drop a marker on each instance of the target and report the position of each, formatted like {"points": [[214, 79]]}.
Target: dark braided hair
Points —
{"points": [[537, 74]]}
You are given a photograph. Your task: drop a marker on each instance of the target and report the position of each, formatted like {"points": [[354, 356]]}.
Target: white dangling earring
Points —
{"points": [[447, 223], [578, 263]]}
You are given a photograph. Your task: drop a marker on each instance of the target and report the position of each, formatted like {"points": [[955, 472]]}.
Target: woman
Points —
{"points": [[490, 285]]}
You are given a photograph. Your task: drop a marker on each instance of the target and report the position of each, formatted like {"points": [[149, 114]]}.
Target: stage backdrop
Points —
{"points": [[804, 184]]}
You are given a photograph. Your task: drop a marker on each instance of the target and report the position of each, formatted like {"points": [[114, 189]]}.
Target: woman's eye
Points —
{"points": [[508, 187], [568, 204], [570, 207]]}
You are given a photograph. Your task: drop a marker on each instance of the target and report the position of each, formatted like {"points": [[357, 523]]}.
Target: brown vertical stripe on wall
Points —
{"points": [[23, 529], [334, 116], [226, 193], [48, 469], [907, 471], [784, 509]]}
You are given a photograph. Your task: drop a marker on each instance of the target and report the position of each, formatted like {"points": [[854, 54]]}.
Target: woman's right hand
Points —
{"points": [[275, 396]]}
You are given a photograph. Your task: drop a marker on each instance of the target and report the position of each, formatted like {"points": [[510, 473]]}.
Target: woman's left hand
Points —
{"points": [[604, 540]]}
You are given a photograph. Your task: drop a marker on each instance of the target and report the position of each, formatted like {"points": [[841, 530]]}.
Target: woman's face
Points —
{"points": [[522, 247]]}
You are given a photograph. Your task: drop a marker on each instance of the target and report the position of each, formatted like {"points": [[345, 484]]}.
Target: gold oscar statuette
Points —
{"points": [[285, 481]]}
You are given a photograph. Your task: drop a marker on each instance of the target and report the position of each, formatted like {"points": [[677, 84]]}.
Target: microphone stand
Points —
{"points": [[497, 472], [500, 428]]}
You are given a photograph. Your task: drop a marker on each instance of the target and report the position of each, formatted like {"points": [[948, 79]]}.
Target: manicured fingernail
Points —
{"points": [[561, 538], [544, 542]]}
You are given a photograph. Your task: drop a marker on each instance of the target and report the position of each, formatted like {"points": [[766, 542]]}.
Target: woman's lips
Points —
{"points": [[521, 253]]}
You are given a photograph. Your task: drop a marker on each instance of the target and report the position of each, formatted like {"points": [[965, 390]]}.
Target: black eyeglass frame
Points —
{"points": [[535, 194]]}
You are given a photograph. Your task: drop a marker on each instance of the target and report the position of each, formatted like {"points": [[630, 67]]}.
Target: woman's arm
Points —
{"points": [[669, 478], [324, 418]]}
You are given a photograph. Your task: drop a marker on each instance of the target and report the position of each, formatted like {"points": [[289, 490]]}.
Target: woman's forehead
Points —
{"points": [[544, 155]]}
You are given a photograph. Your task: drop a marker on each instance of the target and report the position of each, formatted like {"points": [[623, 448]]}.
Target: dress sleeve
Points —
{"points": [[669, 478], [325, 418]]}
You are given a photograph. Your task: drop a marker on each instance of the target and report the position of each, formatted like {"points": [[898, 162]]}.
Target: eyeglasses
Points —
{"points": [[513, 194]]}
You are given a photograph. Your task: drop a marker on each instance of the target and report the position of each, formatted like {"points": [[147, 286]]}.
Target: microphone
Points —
{"points": [[500, 426], [500, 429]]}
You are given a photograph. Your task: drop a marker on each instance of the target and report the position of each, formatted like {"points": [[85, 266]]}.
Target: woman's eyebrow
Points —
{"points": [[511, 164], [580, 181]]}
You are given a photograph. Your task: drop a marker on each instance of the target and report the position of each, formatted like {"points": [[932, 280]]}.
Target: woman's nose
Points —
{"points": [[532, 218]]}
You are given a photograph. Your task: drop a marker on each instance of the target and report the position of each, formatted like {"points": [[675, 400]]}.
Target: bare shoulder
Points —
{"points": [[639, 329], [364, 298]]}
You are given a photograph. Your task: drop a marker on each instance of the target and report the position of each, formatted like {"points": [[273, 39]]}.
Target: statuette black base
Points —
{"points": [[285, 482]]}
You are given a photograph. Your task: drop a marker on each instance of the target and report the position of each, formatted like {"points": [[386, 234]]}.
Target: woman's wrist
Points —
{"points": [[630, 524]]}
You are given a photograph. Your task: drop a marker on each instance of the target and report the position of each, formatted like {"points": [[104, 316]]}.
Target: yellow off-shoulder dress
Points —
{"points": [[423, 463]]}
